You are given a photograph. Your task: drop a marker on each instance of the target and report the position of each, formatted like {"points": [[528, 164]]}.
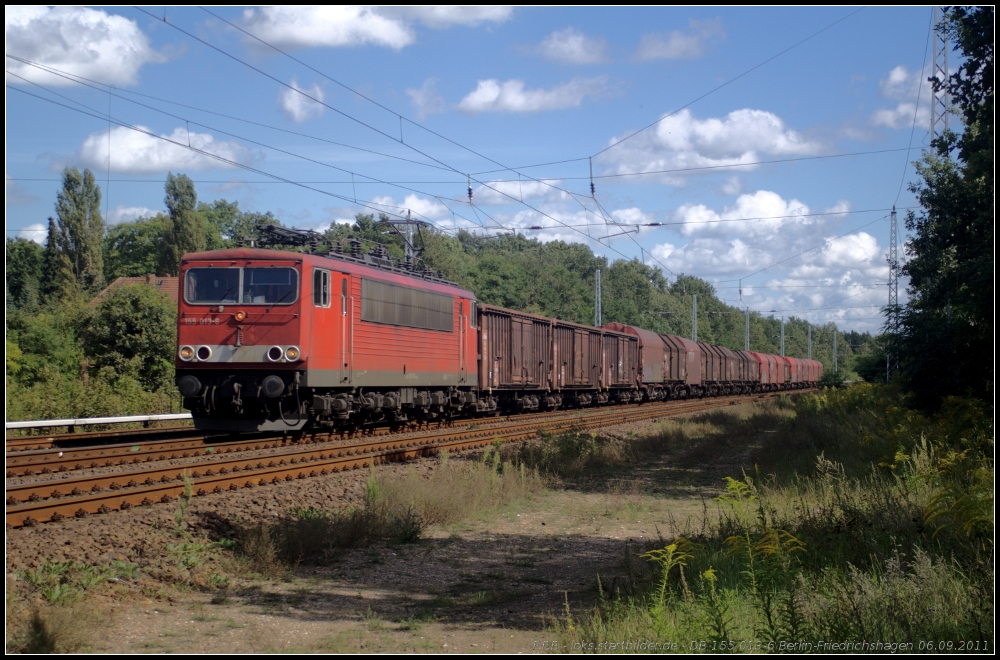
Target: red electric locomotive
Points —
{"points": [[271, 340]]}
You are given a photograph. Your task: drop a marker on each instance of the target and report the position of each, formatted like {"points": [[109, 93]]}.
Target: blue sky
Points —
{"points": [[502, 88]]}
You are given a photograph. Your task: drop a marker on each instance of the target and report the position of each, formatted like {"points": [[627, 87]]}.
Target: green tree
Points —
{"points": [[187, 229], [946, 329], [81, 227], [48, 341], [57, 279], [133, 249], [24, 272], [245, 227], [134, 332]]}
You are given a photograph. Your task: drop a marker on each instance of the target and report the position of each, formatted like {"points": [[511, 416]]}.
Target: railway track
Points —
{"points": [[208, 471]]}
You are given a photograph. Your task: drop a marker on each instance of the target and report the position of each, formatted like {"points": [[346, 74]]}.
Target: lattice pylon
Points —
{"points": [[940, 99]]}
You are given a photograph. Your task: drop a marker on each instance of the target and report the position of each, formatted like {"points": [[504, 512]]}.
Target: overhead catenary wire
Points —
{"points": [[234, 135], [706, 222], [117, 92], [281, 180], [815, 247], [350, 117], [728, 82], [513, 199], [401, 118], [202, 152]]}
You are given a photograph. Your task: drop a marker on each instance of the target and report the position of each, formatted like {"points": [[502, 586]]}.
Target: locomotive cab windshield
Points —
{"points": [[251, 286]]}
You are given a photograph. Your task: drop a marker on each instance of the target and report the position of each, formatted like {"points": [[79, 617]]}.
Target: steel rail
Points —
{"points": [[292, 465], [50, 460]]}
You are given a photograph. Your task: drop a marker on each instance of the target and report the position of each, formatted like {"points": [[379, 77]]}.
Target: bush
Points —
{"points": [[134, 333]]}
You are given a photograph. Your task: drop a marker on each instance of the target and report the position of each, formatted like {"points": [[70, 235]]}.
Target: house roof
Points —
{"points": [[167, 285]]}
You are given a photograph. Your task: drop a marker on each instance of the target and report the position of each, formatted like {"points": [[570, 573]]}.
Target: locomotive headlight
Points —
{"points": [[292, 353], [186, 353], [204, 352], [240, 315], [275, 353]]}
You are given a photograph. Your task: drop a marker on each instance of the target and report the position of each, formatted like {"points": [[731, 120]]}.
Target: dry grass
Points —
{"points": [[460, 489], [52, 629]]}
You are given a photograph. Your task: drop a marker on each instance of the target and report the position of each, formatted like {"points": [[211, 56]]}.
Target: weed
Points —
{"points": [[183, 502]]}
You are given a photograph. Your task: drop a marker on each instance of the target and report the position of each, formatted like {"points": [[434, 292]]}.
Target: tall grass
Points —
{"points": [[863, 521]]}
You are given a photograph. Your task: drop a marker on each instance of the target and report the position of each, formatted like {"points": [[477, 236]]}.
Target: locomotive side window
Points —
{"points": [[212, 285], [343, 297], [270, 286], [392, 304], [321, 287], [472, 314]]}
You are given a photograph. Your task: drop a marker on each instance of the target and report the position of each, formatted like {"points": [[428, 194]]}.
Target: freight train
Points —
{"points": [[272, 340]]}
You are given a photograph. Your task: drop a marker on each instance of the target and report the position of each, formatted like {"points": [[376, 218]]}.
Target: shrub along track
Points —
{"points": [[56, 499]]}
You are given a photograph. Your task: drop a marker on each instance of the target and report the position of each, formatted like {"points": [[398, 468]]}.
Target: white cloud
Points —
{"points": [[775, 214], [426, 99], [300, 107], [445, 16], [821, 283], [130, 214], [572, 47], [717, 257], [899, 84], [732, 186], [684, 141], [907, 87], [327, 25], [857, 250], [14, 193], [133, 152], [631, 216], [36, 232], [336, 26], [902, 116], [662, 251], [422, 207], [680, 44], [502, 192], [85, 42], [511, 96]]}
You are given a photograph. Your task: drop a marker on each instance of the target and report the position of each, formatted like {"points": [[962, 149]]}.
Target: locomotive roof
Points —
{"points": [[365, 265]]}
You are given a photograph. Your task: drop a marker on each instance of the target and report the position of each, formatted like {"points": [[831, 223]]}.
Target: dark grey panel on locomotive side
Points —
{"points": [[382, 302]]}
